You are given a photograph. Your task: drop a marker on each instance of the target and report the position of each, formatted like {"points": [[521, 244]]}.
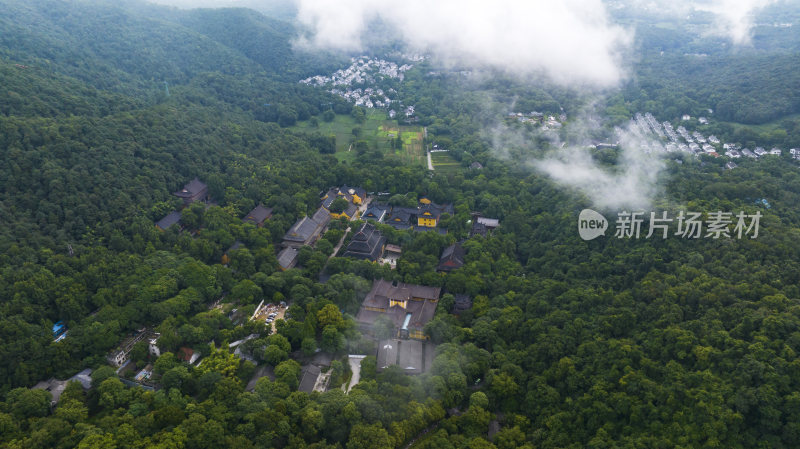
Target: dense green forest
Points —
{"points": [[107, 109]]}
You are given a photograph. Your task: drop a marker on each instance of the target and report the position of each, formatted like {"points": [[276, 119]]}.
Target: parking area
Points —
{"points": [[269, 313]]}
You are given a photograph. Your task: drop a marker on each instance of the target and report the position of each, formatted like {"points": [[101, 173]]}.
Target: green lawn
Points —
{"points": [[376, 130]]}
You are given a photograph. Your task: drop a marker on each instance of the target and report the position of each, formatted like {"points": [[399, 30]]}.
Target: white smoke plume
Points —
{"points": [[573, 42]]}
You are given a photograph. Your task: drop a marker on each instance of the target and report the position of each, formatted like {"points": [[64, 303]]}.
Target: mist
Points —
{"points": [[633, 184], [734, 18], [634, 181], [571, 42]]}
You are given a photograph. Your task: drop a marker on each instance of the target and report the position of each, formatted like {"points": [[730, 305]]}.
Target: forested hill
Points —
{"points": [[107, 108], [133, 48], [122, 98]]}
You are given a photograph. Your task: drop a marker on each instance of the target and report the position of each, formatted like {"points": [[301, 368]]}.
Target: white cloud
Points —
{"points": [[634, 183], [573, 42], [734, 18]]}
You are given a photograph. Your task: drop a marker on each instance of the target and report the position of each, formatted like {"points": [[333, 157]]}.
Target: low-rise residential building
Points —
{"points": [[120, 356], [56, 387]]}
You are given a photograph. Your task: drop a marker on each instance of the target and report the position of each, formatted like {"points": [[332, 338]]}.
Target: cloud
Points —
{"points": [[733, 18], [633, 184], [634, 181], [573, 42]]}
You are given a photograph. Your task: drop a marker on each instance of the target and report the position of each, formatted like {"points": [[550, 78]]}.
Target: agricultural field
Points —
{"points": [[376, 130], [444, 163]]}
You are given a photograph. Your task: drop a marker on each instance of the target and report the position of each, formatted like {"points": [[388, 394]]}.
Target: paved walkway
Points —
{"points": [[355, 368], [430, 162], [339, 245]]}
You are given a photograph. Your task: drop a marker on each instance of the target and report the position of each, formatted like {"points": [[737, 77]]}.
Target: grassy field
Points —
{"points": [[377, 131], [767, 127], [444, 163]]}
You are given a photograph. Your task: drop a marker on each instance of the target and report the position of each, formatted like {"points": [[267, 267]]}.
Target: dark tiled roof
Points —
{"points": [[353, 191], [236, 245], [258, 215], [329, 198], [479, 229], [367, 243], [462, 303], [309, 379], [351, 210], [412, 356], [192, 188], [399, 215], [171, 218], [302, 231], [288, 258], [375, 212], [307, 229], [322, 217], [383, 291], [452, 258]]}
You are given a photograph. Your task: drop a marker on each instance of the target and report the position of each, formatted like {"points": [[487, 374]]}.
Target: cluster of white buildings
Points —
{"points": [[696, 143], [547, 122], [357, 82]]}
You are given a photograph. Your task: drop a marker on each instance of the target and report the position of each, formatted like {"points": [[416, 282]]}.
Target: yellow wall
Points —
{"points": [[429, 222], [343, 214], [393, 303], [419, 335], [425, 201]]}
